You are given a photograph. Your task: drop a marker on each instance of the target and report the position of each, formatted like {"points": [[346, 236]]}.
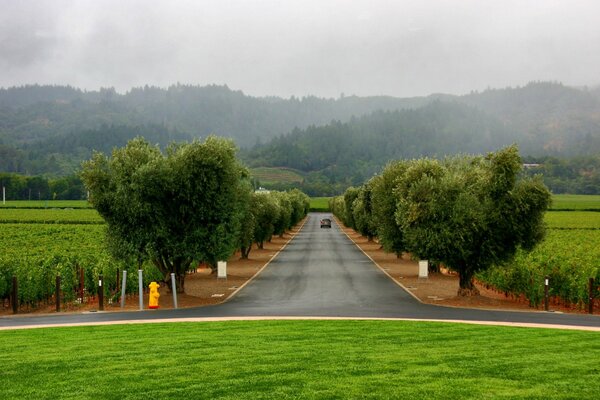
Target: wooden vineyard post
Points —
{"points": [[81, 284], [591, 296], [100, 293], [15, 295], [57, 293], [546, 282]]}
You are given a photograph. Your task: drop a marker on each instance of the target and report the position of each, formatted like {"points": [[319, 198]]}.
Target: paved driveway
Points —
{"points": [[320, 273]]}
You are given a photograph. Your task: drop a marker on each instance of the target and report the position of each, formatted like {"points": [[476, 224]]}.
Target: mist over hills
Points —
{"points": [[51, 129]]}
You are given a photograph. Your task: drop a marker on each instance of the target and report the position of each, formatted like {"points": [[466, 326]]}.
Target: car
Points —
{"points": [[325, 223]]}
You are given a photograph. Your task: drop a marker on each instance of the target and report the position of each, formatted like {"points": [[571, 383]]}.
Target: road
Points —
{"points": [[321, 273]]}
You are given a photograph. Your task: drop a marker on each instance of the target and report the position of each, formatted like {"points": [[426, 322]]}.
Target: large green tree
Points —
{"points": [[470, 213], [172, 208], [389, 232], [362, 211]]}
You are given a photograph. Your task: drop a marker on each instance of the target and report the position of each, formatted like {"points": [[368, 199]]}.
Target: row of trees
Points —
{"points": [[22, 187], [467, 213], [193, 203]]}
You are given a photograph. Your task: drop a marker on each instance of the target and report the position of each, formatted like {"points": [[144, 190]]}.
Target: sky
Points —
{"points": [[282, 48]]}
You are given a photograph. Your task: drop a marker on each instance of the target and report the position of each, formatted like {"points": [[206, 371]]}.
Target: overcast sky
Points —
{"points": [[284, 48]]}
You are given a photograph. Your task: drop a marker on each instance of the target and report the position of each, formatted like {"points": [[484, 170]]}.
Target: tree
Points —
{"points": [[173, 209], [266, 212], [389, 232], [247, 220], [362, 212], [349, 196], [470, 213]]}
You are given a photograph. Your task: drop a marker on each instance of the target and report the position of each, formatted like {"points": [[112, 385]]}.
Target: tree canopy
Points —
{"points": [[172, 208], [468, 213]]}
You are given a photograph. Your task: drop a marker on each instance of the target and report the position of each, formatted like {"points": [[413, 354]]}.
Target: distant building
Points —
{"points": [[531, 165]]}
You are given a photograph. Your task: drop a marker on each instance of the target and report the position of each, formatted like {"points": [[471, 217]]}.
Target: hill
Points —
{"points": [[51, 129]]}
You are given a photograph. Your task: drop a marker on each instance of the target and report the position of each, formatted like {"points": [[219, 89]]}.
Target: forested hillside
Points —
{"points": [[53, 118], [49, 130]]}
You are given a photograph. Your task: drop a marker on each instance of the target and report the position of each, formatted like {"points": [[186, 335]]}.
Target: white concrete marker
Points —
{"points": [[423, 268], [222, 269]]}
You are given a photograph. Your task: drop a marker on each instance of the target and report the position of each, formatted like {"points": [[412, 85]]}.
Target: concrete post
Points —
{"points": [[222, 270], [423, 269]]}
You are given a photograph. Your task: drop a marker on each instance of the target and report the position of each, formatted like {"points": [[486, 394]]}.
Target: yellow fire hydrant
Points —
{"points": [[154, 295]]}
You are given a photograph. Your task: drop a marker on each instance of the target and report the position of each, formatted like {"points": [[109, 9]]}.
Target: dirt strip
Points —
{"points": [[226, 319]]}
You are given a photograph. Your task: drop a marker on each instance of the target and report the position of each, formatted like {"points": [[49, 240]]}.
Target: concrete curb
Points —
{"points": [[227, 319]]}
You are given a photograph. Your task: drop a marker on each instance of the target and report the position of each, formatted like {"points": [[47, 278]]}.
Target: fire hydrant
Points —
{"points": [[154, 295]]}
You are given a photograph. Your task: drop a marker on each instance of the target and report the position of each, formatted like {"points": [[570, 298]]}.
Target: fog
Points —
{"points": [[308, 47]]}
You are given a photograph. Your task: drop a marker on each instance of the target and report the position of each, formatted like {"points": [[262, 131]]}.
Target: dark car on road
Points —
{"points": [[325, 223]]}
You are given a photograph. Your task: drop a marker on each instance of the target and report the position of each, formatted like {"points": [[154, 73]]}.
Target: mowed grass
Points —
{"points": [[319, 203], [575, 202], [271, 175], [299, 360]]}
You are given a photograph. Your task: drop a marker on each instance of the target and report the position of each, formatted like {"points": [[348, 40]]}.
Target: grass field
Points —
{"points": [[319, 203], [268, 175], [299, 360], [46, 204], [575, 202]]}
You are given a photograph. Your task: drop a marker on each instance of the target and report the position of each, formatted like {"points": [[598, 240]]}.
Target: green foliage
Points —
{"points": [[337, 205], [269, 176], [45, 204], [568, 257], [573, 220], [389, 231], [470, 213], [580, 202], [20, 187], [349, 196], [172, 208], [320, 204], [50, 216], [362, 211], [37, 253], [266, 210]]}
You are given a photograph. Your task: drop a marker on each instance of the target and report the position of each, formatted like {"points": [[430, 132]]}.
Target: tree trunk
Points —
{"points": [[466, 286], [245, 252], [260, 245]]}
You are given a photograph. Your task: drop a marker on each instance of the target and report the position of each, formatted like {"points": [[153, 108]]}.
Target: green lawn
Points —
{"points": [[299, 359], [319, 203]]}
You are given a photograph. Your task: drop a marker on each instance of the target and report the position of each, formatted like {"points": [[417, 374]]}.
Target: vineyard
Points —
{"points": [[269, 176], [50, 216], [569, 256], [37, 245]]}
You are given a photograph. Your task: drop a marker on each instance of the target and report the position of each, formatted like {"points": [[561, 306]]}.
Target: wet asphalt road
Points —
{"points": [[320, 273]]}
